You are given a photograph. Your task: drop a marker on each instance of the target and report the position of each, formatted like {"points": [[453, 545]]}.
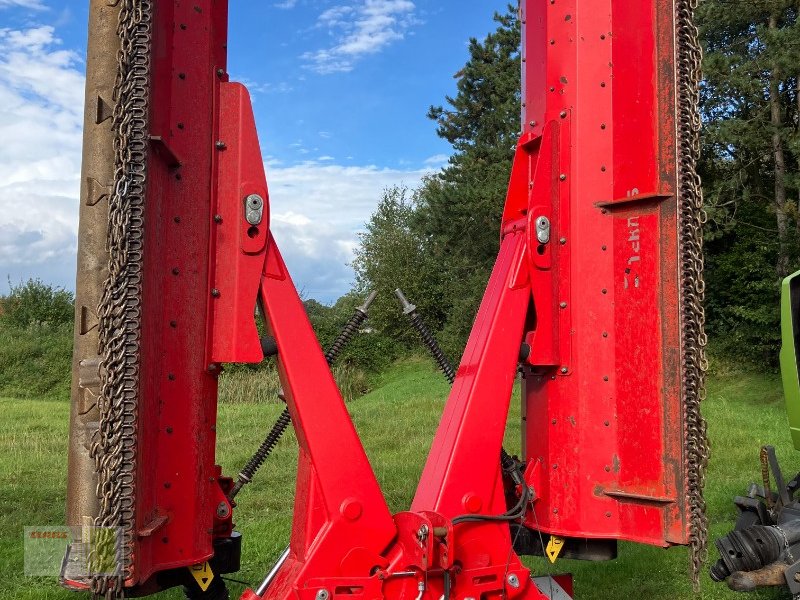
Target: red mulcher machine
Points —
{"points": [[596, 298]]}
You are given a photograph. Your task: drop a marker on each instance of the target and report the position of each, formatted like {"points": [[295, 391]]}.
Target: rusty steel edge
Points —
{"points": [[92, 264]]}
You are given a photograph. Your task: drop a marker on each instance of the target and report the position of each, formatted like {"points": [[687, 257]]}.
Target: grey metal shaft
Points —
{"points": [[272, 572]]}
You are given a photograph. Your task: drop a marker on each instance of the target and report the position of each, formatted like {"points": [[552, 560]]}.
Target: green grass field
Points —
{"points": [[396, 421]]}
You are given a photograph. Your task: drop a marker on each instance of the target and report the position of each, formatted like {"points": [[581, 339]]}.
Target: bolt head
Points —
{"points": [[513, 581], [255, 201], [564, 370], [563, 114], [223, 510], [323, 594]]}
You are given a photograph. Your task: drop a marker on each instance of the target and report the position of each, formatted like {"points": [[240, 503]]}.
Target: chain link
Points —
{"points": [[691, 219], [114, 445]]}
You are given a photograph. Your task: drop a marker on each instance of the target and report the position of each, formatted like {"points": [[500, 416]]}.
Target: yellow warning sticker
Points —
{"points": [[203, 574], [554, 547]]}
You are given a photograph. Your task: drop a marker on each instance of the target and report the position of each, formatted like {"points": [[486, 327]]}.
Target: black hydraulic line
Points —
{"points": [[265, 449], [410, 311]]}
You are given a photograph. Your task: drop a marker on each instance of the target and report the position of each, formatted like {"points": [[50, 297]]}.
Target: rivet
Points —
{"points": [[176, 219], [605, 377], [173, 324], [604, 290], [555, 511], [606, 423], [562, 114], [220, 72], [215, 292], [564, 370], [180, 126], [169, 430], [562, 177], [608, 514], [554, 421], [562, 241], [555, 467], [603, 168], [563, 305], [603, 247], [552, 42], [533, 123], [165, 540], [183, 26], [602, 125], [607, 469], [175, 271], [552, 89], [602, 36], [605, 334], [217, 218], [602, 84], [167, 484], [182, 75], [178, 176], [220, 145], [171, 376]]}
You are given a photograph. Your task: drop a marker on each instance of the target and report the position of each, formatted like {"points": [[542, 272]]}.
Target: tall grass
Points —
{"points": [[262, 385]]}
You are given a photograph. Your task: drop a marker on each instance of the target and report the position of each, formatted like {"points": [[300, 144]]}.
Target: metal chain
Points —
{"points": [[114, 445], [692, 216]]}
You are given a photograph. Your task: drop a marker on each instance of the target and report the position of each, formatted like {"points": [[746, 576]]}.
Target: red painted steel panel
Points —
{"points": [[606, 424], [176, 476]]}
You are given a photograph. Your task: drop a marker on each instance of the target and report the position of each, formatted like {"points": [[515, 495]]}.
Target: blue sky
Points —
{"points": [[340, 91]]}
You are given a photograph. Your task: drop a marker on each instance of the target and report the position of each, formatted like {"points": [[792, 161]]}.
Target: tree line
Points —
{"points": [[438, 242]]}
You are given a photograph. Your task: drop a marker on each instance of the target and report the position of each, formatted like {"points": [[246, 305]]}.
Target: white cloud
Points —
{"points": [[41, 116], [360, 29], [437, 160], [317, 207], [317, 211], [286, 4], [30, 4]]}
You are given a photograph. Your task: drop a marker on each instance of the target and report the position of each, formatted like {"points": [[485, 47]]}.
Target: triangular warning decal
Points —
{"points": [[554, 547], [202, 574]]}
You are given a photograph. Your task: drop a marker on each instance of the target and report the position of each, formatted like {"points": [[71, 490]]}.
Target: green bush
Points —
{"points": [[35, 361], [36, 341], [35, 302]]}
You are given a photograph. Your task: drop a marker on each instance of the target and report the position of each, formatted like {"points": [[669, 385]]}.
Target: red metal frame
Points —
{"points": [[597, 304], [178, 487]]}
